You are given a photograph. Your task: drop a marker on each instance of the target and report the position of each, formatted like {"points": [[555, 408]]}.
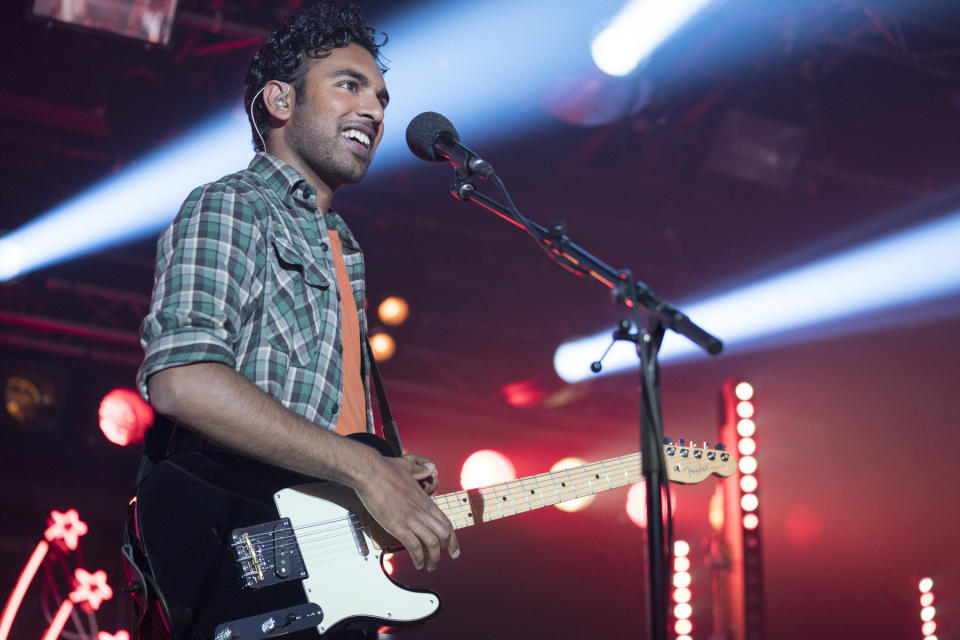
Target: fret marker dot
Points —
{"points": [[563, 484], [504, 498]]}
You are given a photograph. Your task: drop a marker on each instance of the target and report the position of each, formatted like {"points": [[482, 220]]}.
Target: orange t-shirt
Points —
{"points": [[353, 409]]}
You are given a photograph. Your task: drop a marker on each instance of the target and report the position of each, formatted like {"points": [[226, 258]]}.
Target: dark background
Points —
{"points": [[858, 477]]}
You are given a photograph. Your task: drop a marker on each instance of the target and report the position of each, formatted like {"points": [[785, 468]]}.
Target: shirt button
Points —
{"points": [[324, 246], [334, 408]]}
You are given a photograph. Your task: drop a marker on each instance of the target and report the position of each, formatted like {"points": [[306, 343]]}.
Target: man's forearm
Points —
{"points": [[227, 409]]}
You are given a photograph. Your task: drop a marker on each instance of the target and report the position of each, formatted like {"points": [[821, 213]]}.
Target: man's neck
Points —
{"points": [[324, 192]]}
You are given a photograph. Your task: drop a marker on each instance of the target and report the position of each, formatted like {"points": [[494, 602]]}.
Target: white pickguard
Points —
{"points": [[342, 581]]}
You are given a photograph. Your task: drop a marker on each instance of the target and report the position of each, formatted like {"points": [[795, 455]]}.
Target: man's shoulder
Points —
{"points": [[243, 192]]}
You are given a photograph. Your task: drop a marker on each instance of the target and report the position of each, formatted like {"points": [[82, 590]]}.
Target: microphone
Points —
{"points": [[433, 138]]}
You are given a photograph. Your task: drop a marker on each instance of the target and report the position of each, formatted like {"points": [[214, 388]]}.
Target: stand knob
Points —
{"points": [[720, 447]]}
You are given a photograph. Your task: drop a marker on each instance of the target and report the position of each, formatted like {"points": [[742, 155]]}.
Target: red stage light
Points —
{"points": [[681, 594], [926, 585], [745, 409], [927, 614], [683, 627], [486, 467], [92, 588], [637, 504], [748, 484], [65, 526], [682, 611], [751, 521], [746, 428], [125, 417], [749, 502], [524, 393], [747, 446], [928, 628], [681, 564], [681, 579], [119, 635], [748, 465], [926, 600]]}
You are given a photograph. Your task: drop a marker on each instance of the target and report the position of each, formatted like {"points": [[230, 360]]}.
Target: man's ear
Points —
{"points": [[278, 98]]}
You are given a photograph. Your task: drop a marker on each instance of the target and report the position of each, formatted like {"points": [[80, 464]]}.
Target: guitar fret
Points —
{"points": [[477, 505]]}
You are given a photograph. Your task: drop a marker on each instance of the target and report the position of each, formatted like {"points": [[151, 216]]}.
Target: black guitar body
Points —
{"points": [[187, 509]]}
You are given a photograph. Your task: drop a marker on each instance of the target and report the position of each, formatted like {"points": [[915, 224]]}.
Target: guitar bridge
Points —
{"points": [[268, 554]]}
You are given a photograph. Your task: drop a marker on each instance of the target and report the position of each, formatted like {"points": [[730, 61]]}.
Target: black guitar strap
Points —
{"points": [[390, 431]]}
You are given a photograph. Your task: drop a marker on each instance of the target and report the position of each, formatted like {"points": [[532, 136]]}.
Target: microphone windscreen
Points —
{"points": [[424, 129]]}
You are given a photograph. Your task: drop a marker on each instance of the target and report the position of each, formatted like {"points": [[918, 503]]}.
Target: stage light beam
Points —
{"points": [[916, 265]]}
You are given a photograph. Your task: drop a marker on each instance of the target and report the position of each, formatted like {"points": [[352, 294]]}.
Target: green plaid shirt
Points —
{"points": [[245, 277]]}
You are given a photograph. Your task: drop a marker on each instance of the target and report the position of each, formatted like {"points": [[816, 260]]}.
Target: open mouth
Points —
{"points": [[358, 137]]}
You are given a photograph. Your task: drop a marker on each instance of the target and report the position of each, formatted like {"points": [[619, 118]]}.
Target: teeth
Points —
{"points": [[359, 136]]}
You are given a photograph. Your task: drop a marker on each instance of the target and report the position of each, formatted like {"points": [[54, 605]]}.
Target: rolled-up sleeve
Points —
{"points": [[206, 262]]}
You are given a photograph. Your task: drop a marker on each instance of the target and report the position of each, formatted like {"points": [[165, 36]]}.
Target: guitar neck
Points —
{"points": [[466, 508]]}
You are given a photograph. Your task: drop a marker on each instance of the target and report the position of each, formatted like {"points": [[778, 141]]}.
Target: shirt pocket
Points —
{"points": [[299, 315]]}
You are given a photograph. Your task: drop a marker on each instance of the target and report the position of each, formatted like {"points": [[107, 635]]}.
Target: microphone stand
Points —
{"points": [[652, 316]]}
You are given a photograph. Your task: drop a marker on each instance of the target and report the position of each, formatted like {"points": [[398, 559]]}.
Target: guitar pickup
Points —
{"points": [[268, 554]]}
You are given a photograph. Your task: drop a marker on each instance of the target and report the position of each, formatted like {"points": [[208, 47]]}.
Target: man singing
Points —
{"points": [[254, 337]]}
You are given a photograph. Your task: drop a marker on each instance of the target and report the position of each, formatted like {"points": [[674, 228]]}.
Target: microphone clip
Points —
{"points": [[622, 332]]}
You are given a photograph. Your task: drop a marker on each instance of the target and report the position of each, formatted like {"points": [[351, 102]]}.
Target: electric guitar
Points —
{"points": [[240, 550]]}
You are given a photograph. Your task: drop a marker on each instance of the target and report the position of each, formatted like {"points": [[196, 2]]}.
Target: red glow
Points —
{"points": [[637, 504], [683, 627], [388, 563], [60, 619], [751, 521], [524, 393], [486, 467], [23, 582], [928, 628], [119, 635], [803, 525], [92, 588], [681, 594], [125, 417], [67, 527], [926, 600]]}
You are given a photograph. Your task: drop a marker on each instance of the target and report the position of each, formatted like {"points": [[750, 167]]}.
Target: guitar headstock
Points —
{"points": [[689, 464]]}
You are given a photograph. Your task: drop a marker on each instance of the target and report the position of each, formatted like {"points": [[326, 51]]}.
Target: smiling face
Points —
{"points": [[335, 126]]}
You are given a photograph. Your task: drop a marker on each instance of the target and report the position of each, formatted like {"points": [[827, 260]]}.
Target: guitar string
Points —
{"points": [[512, 490], [315, 542]]}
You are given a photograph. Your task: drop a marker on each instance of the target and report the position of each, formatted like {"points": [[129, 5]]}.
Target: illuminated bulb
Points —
{"points": [[684, 637], [383, 346], [681, 564], [926, 600], [682, 611], [748, 484], [747, 446], [749, 502], [751, 521], [927, 613], [124, 417], [576, 504], [393, 311], [681, 595], [743, 391], [746, 428], [683, 627], [926, 585], [681, 548], [748, 464], [745, 409], [928, 628], [486, 467], [681, 579]]}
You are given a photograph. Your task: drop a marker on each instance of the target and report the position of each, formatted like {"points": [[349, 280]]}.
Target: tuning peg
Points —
{"points": [[706, 445], [681, 442], [693, 444], [668, 441], [720, 447]]}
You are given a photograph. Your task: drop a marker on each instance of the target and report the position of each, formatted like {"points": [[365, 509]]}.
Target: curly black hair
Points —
{"points": [[310, 32]]}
